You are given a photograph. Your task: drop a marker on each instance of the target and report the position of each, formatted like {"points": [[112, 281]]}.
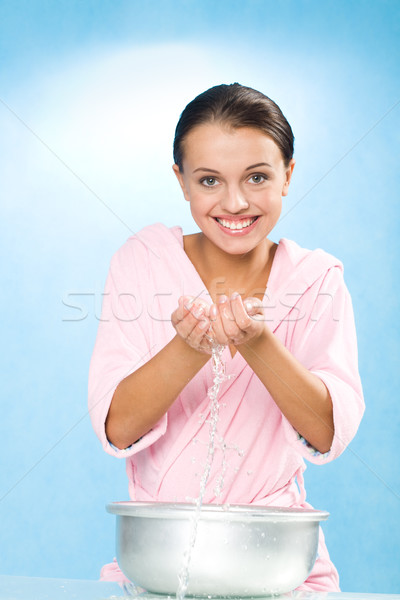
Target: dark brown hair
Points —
{"points": [[237, 106]]}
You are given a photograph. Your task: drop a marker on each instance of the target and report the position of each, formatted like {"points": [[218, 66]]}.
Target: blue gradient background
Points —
{"points": [[89, 96]]}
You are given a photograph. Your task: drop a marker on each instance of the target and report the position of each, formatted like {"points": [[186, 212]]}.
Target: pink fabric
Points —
{"points": [[112, 572], [308, 308]]}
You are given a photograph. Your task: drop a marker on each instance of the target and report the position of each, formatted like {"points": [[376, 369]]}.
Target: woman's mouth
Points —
{"points": [[236, 226]]}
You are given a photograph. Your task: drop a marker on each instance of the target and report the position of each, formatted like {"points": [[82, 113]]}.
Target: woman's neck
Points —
{"points": [[225, 273]]}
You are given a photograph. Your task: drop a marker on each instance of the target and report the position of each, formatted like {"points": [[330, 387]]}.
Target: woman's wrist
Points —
{"points": [[264, 338], [188, 353]]}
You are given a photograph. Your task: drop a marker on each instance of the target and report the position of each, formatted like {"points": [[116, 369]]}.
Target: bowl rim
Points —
{"points": [[226, 512]]}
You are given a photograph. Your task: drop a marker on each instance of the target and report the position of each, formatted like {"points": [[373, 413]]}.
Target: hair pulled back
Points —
{"points": [[236, 106]]}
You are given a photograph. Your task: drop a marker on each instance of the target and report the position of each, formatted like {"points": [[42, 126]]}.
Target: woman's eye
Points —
{"points": [[209, 181], [257, 178]]}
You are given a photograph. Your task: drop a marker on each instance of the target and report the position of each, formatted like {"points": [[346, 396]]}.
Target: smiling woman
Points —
{"points": [[295, 391]]}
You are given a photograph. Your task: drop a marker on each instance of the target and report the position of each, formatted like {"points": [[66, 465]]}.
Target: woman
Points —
{"points": [[282, 312]]}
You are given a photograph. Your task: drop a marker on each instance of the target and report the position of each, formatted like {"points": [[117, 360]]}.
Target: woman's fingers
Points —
{"points": [[240, 312], [189, 305], [191, 322], [235, 320], [220, 314], [180, 313], [223, 317], [253, 306]]}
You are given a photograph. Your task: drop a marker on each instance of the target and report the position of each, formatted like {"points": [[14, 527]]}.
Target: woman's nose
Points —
{"points": [[233, 200]]}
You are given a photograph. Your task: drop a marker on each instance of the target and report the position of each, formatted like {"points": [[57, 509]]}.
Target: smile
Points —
{"points": [[236, 225]]}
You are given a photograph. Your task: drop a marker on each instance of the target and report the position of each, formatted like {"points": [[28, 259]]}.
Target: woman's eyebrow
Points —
{"points": [[206, 169], [262, 164]]}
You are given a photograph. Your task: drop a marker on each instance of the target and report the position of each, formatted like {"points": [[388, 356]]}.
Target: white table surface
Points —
{"points": [[37, 588]]}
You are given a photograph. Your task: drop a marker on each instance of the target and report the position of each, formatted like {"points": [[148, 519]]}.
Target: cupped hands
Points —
{"points": [[232, 321]]}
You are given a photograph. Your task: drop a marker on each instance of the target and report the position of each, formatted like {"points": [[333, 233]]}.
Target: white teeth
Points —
{"points": [[236, 224]]}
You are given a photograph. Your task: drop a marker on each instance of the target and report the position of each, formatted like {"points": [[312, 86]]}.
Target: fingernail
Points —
{"points": [[222, 299], [203, 324], [198, 311], [249, 306], [213, 312], [235, 295]]}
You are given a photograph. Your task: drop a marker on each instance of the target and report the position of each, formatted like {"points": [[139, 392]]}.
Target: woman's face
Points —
{"points": [[234, 180]]}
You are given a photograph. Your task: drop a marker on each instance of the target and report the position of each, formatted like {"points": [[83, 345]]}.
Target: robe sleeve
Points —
{"points": [[123, 344], [327, 346]]}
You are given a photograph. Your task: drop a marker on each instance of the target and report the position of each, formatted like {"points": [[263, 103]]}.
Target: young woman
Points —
{"points": [[282, 312]]}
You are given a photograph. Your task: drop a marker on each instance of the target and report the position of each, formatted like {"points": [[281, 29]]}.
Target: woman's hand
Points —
{"points": [[235, 321], [192, 323]]}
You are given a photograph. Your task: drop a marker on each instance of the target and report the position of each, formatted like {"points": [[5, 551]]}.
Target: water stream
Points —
{"points": [[219, 376], [213, 393]]}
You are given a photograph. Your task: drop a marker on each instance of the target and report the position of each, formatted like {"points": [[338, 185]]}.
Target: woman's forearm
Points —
{"points": [[143, 397], [301, 396]]}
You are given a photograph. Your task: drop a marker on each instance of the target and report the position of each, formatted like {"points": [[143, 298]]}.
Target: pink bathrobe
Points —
{"points": [[306, 305]]}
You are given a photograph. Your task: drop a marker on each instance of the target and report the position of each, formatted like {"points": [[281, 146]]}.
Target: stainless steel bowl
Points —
{"points": [[239, 550]]}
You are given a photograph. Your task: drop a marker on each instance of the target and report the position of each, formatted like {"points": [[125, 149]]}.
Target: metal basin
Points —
{"points": [[239, 550]]}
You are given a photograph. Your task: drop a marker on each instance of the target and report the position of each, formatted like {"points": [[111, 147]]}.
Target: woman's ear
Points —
{"points": [[288, 175], [179, 176]]}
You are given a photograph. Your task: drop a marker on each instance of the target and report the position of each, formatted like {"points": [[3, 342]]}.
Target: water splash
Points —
{"points": [[131, 590]]}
